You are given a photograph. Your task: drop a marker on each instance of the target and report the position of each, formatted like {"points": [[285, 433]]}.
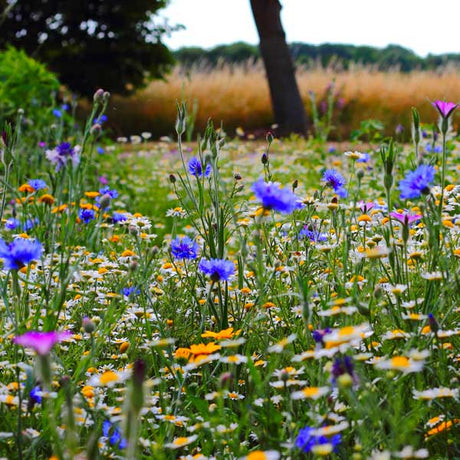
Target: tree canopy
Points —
{"points": [[114, 44]]}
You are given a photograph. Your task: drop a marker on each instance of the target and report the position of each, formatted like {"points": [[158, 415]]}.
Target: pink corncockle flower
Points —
{"points": [[41, 342], [365, 207], [444, 108], [405, 217]]}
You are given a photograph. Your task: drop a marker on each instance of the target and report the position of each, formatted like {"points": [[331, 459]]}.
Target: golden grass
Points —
{"points": [[239, 96]]}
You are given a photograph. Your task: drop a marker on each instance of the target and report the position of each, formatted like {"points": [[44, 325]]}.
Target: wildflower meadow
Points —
{"points": [[228, 298]]}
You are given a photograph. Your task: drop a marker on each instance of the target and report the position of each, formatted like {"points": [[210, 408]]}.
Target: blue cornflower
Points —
{"points": [[86, 215], [130, 291], [272, 196], [184, 248], [100, 150], [29, 224], [108, 191], [307, 439], [100, 120], [334, 179], [364, 158], [417, 182], [12, 223], [313, 235], [37, 184], [217, 269], [195, 168], [57, 113], [429, 148], [36, 394], [118, 217], [19, 252], [109, 430]]}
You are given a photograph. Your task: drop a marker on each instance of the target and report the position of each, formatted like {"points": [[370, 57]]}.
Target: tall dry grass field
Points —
{"points": [[239, 96]]}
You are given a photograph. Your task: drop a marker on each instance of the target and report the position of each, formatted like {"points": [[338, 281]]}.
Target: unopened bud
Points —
{"points": [[172, 178], [88, 325], [344, 381], [225, 379], [237, 176], [105, 97], [264, 159], [360, 174], [98, 96], [105, 200], [295, 184], [96, 128]]}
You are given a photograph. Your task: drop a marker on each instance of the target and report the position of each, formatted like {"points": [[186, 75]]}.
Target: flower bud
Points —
{"points": [[105, 200], [88, 325], [98, 96], [172, 178]]}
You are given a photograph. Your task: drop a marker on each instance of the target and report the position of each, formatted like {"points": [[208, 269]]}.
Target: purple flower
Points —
{"points": [[184, 248], [195, 168], [417, 182], [272, 196], [41, 342], [405, 217], [334, 179], [444, 108], [365, 207], [318, 334], [217, 269], [307, 439], [19, 252], [86, 215], [37, 184], [343, 365], [63, 153]]}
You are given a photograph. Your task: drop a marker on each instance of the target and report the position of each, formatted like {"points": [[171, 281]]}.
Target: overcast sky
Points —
{"points": [[425, 26]]}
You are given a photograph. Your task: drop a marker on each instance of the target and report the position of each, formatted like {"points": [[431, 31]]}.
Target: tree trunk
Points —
{"points": [[287, 104]]}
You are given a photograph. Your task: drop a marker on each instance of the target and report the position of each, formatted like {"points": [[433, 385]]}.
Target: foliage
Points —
{"points": [[81, 41], [27, 84]]}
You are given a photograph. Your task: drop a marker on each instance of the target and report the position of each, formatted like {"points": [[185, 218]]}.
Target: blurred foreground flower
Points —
{"points": [[41, 342], [19, 252]]}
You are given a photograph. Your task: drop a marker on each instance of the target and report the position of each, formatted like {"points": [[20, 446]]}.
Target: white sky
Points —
{"points": [[425, 26]]}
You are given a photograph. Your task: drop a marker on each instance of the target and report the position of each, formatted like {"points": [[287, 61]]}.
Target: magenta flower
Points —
{"points": [[41, 342], [444, 108], [365, 207], [405, 217]]}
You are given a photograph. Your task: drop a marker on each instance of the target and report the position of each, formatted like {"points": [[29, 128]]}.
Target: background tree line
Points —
{"points": [[393, 56]]}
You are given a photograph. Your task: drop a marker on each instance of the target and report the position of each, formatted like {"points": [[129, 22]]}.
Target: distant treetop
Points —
{"points": [[391, 57], [113, 44]]}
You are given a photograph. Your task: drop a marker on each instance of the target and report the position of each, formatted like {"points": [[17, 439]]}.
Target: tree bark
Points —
{"points": [[288, 108]]}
